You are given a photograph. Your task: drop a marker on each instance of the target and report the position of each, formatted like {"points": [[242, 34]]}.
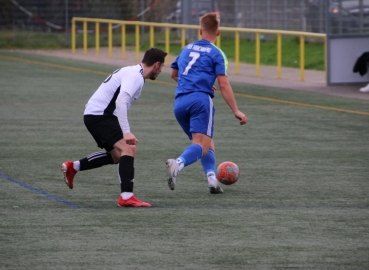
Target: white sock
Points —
{"points": [[212, 181], [77, 165], [180, 164], [126, 195]]}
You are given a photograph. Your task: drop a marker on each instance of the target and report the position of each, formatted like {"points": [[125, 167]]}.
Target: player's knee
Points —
{"points": [[134, 149], [205, 151], [129, 150]]}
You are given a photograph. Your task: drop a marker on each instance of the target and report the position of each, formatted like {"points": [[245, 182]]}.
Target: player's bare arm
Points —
{"points": [[228, 96], [174, 74]]}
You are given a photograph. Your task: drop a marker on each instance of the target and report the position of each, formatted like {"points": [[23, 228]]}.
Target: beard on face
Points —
{"points": [[155, 73], [153, 76]]}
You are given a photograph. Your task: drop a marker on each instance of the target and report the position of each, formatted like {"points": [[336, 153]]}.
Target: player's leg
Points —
{"points": [[201, 128], [95, 160], [183, 118], [194, 112], [208, 163], [102, 130], [126, 172]]}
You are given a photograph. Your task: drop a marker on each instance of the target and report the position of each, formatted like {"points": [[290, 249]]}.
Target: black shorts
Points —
{"points": [[105, 129]]}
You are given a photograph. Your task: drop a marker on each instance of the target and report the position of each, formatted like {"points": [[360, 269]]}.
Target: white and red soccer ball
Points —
{"points": [[227, 173]]}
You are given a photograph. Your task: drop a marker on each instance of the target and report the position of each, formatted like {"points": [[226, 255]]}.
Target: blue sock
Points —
{"points": [[208, 162], [191, 154]]}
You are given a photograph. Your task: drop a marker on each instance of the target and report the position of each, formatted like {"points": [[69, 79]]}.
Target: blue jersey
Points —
{"points": [[198, 65]]}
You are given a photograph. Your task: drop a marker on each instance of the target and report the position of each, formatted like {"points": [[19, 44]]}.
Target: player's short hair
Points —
{"points": [[210, 22], [153, 55]]}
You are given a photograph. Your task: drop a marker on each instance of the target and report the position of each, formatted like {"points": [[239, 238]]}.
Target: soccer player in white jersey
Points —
{"points": [[195, 70], [105, 117]]}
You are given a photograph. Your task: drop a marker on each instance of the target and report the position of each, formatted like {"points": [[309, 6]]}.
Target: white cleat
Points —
{"points": [[214, 188], [365, 89], [173, 172]]}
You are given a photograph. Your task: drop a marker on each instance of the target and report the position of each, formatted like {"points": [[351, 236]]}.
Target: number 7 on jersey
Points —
{"points": [[195, 56]]}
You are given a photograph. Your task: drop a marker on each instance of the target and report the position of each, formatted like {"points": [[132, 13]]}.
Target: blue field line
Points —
{"points": [[39, 191], [266, 207]]}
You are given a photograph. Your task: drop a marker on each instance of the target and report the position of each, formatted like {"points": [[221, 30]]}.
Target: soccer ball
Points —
{"points": [[228, 173]]}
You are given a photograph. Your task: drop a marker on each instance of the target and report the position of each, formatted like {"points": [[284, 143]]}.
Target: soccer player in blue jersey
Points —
{"points": [[195, 70]]}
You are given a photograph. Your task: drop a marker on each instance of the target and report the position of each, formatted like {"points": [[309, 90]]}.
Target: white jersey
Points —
{"points": [[117, 93]]}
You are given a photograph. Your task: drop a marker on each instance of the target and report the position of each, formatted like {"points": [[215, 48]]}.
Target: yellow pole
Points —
{"points": [[137, 42], [218, 41], [237, 52], [110, 39], [325, 57], [302, 58], [151, 36], [279, 55], [183, 37], [73, 35], [97, 38], [167, 44], [123, 41], [85, 37], [198, 34], [257, 56]]}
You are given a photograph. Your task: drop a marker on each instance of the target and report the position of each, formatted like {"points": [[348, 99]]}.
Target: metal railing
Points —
{"points": [[258, 32]]}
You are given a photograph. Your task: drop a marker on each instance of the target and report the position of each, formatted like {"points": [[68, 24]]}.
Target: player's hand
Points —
{"points": [[130, 139], [214, 89], [241, 117]]}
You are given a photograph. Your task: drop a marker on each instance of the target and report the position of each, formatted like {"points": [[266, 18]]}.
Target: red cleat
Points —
{"points": [[69, 173], [132, 202]]}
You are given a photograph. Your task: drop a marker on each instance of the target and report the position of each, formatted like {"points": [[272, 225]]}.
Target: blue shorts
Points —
{"points": [[195, 113]]}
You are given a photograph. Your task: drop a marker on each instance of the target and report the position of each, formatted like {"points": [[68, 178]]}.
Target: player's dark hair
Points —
{"points": [[153, 55]]}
